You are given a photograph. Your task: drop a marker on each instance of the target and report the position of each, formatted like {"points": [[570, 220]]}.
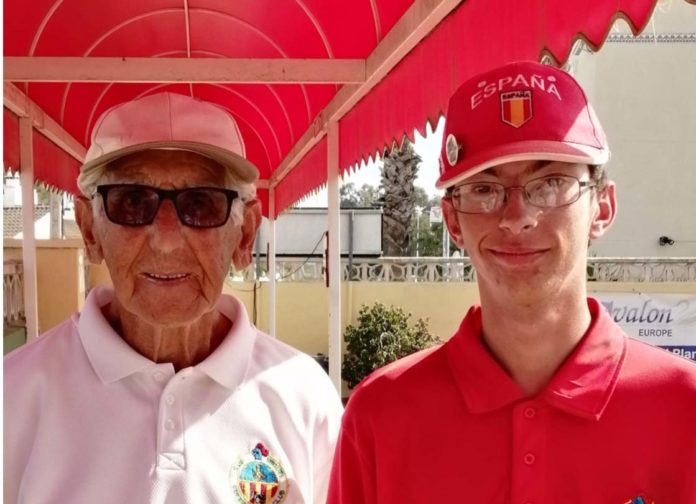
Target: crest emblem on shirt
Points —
{"points": [[259, 478], [640, 499], [516, 107]]}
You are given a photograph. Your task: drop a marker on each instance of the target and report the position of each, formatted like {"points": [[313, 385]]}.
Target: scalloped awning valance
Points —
{"points": [[283, 68]]}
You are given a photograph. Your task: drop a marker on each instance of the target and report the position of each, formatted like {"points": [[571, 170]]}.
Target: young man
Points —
{"points": [[539, 397]]}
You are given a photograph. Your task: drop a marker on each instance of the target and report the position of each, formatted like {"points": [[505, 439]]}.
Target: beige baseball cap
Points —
{"points": [[169, 121]]}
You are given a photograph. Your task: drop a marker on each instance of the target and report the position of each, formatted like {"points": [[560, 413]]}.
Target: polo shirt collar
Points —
{"points": [[110, 356], [582, 386], [113, 359], [228, 364]]}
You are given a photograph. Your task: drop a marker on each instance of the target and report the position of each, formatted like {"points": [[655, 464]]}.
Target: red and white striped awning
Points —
{"points": [[283, 68]]}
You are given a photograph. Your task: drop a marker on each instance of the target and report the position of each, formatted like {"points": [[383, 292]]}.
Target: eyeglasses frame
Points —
{"points": [[166, 194], [582, 184]]}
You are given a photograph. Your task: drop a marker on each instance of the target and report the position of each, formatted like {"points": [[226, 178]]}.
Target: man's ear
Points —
{"points": [[241, 257], [85, 220], [605, 212], [450, 215]]}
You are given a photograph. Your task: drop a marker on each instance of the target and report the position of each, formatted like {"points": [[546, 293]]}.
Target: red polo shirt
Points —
{"points": [[616, 424]]}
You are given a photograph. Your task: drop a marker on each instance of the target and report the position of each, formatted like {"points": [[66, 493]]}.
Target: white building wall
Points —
{"points": [[299, 232], [645, 95]]}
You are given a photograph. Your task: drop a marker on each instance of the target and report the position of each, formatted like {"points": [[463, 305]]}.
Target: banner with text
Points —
{"points": [[664, 320]]}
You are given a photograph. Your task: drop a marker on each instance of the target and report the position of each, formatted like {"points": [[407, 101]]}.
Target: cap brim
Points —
{"points": [[242, 168], [522, 151]]}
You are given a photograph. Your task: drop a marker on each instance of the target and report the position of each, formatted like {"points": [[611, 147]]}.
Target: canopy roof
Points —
{"points": [[283, 68]]}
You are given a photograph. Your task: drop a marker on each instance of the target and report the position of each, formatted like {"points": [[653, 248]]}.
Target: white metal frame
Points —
{"points": [[271, 264], [334, 255], [211, 70], [26, 142]]}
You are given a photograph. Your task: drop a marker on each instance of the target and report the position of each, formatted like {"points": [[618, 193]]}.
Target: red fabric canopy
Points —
{"points": [[475, 38], [272, 117], [51, 165]]}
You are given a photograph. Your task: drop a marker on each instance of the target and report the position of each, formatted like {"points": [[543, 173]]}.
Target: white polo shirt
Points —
{"points": [[88, 419]]}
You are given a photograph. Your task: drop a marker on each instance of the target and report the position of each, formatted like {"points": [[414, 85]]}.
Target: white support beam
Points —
{"points": [[414, 26], [271, 257], [22, 106], [31, 313], [334, 257], [56, 212], [159, 70]]}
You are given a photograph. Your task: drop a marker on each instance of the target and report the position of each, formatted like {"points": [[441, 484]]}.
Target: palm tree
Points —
{"points": [[398, 174]]}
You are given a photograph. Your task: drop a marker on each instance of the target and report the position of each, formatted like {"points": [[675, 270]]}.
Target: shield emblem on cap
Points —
{"points": [[516, 107], [452, 149]]}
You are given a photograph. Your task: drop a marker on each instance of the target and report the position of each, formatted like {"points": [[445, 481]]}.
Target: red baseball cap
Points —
{"points": [[518, 112]]}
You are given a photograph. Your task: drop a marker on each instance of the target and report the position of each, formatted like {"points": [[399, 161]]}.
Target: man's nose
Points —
{"points": [[166, 230], [518, 215]]}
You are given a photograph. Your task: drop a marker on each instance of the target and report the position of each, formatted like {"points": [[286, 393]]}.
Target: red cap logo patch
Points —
{"points": [[516, 107]]}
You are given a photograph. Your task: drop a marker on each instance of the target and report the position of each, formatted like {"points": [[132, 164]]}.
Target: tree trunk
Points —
{"points": [[398, 175]]}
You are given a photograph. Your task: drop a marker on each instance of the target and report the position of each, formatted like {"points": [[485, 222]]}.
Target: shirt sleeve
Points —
{"points": [[326, 430], [353, 477]]}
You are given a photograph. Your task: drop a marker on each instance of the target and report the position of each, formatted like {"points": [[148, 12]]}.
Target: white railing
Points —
{"points": [[409, 269], [437, 269], [13, 293], [642, 269]]}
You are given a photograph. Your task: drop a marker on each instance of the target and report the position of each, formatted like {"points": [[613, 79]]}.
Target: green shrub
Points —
{"points": [[381, 336]]}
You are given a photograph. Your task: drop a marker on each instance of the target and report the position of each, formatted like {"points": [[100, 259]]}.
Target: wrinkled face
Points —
{"points": [[166, 273], [525, 253]]}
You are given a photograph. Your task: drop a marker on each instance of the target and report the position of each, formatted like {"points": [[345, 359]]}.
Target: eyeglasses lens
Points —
{"points": [[202, 207], [131, 205], [550, 192]]}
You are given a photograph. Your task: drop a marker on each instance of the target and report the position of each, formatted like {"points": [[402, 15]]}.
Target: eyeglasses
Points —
{"points": [[551, 191], [137, 205]]}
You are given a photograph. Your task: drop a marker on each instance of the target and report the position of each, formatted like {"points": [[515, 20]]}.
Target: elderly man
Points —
{"points": [[539, 397], [161, 390]]}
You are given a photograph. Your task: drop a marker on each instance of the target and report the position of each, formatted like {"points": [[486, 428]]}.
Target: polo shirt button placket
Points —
{"points": [[528, 446], [172, 453]]}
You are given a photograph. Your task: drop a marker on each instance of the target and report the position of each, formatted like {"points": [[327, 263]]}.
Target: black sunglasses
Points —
{"points": [[137, 205]]}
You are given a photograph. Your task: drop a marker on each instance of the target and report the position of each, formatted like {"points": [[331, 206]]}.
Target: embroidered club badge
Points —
{"points": [[259, 478], [516, 107], [640, 499]]}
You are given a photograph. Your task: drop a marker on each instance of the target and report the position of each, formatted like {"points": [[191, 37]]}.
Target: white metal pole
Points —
{"points": [[271, 264], [28, 242], [334, 256], [56, 205]]}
